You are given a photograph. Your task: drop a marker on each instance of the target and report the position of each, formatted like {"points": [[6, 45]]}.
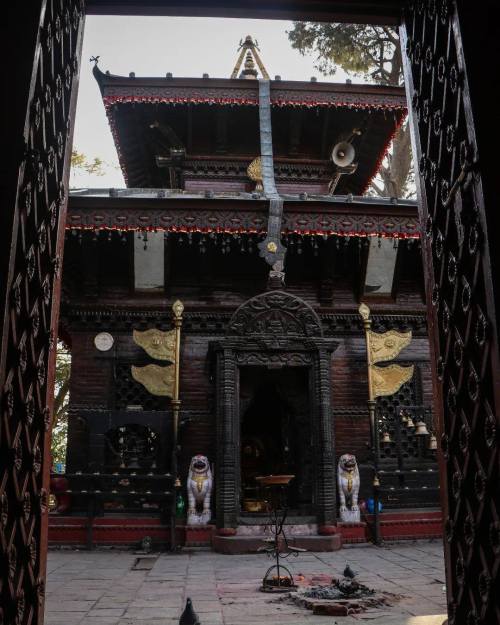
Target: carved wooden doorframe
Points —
{"points": [[230, 356], [274, 330]]}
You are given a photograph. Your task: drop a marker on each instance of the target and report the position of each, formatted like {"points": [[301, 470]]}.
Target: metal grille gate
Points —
{"points": [[460, 305], [32, 310]]}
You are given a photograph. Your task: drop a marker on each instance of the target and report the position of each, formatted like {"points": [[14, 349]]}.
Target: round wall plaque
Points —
{"points": [[103, 341]]}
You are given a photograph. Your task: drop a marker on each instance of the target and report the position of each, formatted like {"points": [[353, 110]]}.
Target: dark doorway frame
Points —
{"points": [[37, 125], [276, 433], [274, 330]]}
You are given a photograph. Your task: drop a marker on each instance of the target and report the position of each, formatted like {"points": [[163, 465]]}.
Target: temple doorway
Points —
{"points": [[275, 434]]}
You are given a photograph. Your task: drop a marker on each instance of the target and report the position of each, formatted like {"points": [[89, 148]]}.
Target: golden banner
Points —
{"points": [[387, 345], [157, 380], [157, 344], [388, 380]]}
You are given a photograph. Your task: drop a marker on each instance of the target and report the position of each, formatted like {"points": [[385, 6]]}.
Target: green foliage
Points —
{"points": [[80, 162], [368, 51], [373, 53], [61, 400]]}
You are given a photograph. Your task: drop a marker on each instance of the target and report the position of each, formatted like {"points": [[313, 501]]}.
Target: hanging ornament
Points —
{"points": [[421, 429], [432, 442], [386, 437]]}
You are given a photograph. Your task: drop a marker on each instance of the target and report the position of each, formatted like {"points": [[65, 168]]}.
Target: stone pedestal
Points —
{"points": [[350, 516], [198, 535]]}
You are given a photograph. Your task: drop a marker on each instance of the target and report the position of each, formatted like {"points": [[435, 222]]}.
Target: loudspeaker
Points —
{"points": [[343, 154]]}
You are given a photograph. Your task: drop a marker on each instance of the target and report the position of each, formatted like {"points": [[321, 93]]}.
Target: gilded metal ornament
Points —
{"points": [[157, 380], [387, 380], [364, 311], [157, 344], [178, 308], [387, 345], [254, 172]]}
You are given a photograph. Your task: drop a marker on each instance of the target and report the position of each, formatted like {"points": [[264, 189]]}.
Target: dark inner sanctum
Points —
{"points": [[275, 432]]}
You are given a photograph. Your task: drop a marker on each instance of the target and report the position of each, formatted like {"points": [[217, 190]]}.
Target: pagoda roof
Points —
{"points": [[132, 103]]}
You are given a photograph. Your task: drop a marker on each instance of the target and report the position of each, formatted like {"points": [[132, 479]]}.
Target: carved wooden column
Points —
{"points": [[228, 437], [325, 483]]}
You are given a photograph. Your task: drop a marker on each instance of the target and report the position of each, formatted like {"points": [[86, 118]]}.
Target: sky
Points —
{"points": [[153, 46]]}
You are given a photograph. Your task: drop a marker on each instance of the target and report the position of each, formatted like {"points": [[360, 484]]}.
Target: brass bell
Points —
{"points": [[421, 429], [177, 483], [386, 437], [432, 442], [376, 482], [410, 425], [404, 418]]}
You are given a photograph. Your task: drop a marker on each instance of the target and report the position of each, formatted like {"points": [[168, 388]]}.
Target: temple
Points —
{"points": [[247, 200]]}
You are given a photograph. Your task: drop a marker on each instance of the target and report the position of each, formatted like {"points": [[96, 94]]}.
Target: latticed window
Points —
{"points": [[129, 394], [398, 438]]}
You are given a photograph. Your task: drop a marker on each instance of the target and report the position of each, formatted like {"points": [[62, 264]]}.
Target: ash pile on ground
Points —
{"points": [[339, 589], [342, 597]]}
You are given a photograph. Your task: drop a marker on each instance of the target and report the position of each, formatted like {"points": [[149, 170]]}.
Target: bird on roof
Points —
{"points": [[348, 572], [189, 616]]}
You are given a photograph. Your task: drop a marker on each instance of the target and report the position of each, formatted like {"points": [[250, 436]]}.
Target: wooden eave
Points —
{"points": [[321, 215], [130, 101]]}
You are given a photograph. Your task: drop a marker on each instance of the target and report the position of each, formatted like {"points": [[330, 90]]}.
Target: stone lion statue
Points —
{"points": [[199, 490], [348, 487]]}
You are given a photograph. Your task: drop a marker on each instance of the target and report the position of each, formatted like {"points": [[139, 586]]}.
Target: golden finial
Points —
{"points": [[178, 308], [364, 311], [249, 51]]}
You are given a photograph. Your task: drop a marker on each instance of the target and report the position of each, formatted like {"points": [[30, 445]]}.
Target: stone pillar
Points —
{"points": [[325, 484], [227, 482]]}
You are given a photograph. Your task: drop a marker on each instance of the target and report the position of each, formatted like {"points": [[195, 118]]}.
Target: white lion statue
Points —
{"points": [[348, 487], [199, 490]]}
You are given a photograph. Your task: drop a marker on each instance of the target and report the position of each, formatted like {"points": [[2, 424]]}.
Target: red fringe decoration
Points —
{"points": [[221, 230], [110, 101], [400, 117]]}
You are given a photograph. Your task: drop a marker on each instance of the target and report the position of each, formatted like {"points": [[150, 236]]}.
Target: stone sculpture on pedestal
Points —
{"points": [[199, 490], [348, 487]]}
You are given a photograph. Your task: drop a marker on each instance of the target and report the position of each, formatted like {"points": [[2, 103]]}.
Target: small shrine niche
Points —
{"points": [[132, 446]]}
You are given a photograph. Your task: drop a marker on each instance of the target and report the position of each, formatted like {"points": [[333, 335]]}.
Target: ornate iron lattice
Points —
{"points": [[33, 302], [388, 411], [461, 322]]}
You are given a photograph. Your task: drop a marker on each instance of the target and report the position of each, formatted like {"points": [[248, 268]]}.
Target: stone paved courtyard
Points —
{"points": [[100, 587]]}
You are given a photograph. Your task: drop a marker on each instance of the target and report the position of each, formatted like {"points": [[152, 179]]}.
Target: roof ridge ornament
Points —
{"points": [[249, 50]]}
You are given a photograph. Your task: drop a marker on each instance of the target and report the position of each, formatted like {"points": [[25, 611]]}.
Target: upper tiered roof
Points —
{"points": [[198, 133]]}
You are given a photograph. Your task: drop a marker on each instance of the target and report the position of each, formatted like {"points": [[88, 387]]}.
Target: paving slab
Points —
{"points": [[99, 588]]}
